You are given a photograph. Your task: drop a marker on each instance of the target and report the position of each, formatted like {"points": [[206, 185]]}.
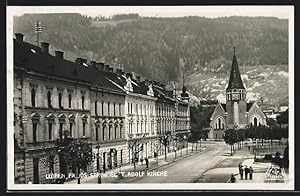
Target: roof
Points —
{"points": [[31, 58], [235, 80], [224, 106], [249, 105]]}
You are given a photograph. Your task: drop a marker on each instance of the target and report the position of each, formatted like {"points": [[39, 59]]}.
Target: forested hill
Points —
{"points": [[160, 47]]}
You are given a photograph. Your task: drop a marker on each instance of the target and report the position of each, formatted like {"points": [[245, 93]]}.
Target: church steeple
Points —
{"points": [[235, 81]]}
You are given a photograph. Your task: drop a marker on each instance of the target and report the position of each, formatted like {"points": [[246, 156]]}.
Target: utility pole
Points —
{"points": [[38, 30]]}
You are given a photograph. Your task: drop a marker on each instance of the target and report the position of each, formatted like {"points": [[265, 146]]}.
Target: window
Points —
{"points": [[130, 108], [61, 126], [102, 108], [50, 131], [83, 129], [114, 109], [109, 129], [137, 127], [60, 100], [115, 132], [120, 131], [97, 134], [82, 101], [137, 109], [34, 132], [255, 121], [33, 97], [219, 122], [108, 109], [36, 179], [49, 99], [70, 100], [96, 112], [120, 113], [71, 129], [103, 133]]}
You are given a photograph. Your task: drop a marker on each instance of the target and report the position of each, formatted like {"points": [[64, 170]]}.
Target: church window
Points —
{"points": [[219, 122], [255, 121]]}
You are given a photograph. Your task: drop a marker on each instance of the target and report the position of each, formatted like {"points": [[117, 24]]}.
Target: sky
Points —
{"points": [[162, 11]]}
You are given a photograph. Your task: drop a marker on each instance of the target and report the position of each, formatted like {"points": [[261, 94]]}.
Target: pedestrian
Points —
{"points": [[142, 160], [246, 172], [30, 181], [250, 172], [241, 171], [147, 162], [232, 179]]}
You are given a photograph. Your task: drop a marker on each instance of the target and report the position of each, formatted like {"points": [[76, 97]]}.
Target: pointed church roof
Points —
{"points": [[235, 80]]}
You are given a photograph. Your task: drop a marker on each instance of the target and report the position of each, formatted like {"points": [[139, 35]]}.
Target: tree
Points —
{"points": [[77, 155], [283, 118], [165, 139], [136, 146], [231, 138]]}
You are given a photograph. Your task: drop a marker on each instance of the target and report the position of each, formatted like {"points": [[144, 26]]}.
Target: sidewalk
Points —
{"points": [[223, 171], [128, 170]]}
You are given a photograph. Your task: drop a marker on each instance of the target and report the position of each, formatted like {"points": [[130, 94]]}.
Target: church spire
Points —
{"points": [[235, 80]]}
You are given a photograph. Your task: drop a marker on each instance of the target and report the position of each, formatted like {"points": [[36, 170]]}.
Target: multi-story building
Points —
{"points": [[140, 113], [53, 96]]}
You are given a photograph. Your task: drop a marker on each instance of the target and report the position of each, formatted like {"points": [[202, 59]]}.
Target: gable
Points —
{"points": [[255, 109], [219, 111]]}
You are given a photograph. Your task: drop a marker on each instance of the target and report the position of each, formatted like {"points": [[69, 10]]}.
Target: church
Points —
{"points": [[236, 112]]}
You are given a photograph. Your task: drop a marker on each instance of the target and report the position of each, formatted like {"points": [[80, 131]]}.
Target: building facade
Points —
{"points": [[56, 99], [236, 113]]}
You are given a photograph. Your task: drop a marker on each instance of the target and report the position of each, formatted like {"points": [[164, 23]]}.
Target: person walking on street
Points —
{"points": [[147, 162], [246, 172], [241, 171], [232, 179], [250, 172]]}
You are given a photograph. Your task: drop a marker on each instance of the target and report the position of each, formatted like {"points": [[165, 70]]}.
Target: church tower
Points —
{"points": [[236, 106]]}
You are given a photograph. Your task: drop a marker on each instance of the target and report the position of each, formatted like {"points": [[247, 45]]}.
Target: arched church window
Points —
{"points": [[219, 122], [255, 121]]}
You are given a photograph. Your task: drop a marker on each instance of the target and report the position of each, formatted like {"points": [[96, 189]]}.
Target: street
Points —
{"points": [[189, 169]]}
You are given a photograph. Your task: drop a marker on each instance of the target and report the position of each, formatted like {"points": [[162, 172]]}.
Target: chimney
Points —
{"points": [[138, 78], [93, 63], [100, 66], [19, 37], [84, 61], [129, 75], [79, 60], [146, 82], [59, 54], [106, 68], [45, 47], [111, 69]]}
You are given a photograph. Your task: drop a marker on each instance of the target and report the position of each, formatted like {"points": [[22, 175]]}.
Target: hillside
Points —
{"points": [[161, 48], [269, 83]]}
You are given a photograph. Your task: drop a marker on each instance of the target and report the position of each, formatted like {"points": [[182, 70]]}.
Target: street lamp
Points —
{"points": [[175, 146], [187, 144], [98, 163]]}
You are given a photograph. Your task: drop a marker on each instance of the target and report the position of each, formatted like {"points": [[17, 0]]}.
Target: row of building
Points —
{"points": [[90, 101]]}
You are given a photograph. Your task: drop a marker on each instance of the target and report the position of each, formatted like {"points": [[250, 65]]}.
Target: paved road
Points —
{"points": [[189, 169]]}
